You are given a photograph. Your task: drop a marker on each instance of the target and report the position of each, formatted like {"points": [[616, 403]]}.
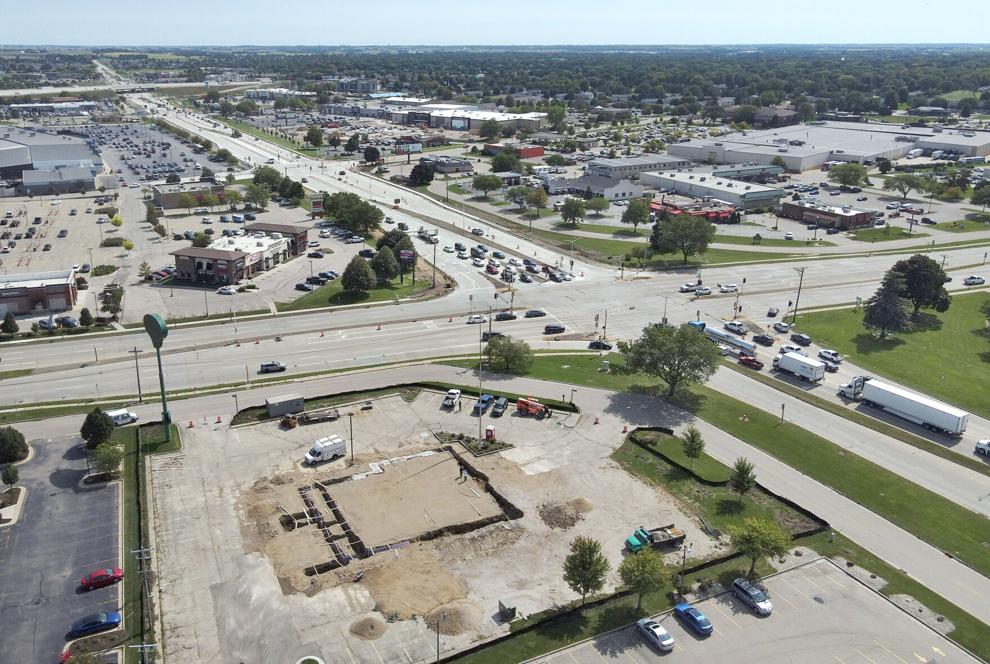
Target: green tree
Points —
{"points": [[13, 447], [358, 276], [586, 568], [884, 166], [506, 161], [572, 211], [597, 205], [518, 195], [333, 140], [172, 178], [10, 475], [636, 213], [246, 107], [779, 161], [644, 572], [106, 458], [211, 201], [9, 325], [144, 269], [693, 444], [187, 201], [96, 428], [759, 537], [903, 183], [127, 245], [849, 174], [486, 183], [685, 234], [537, 200], [226, 108], [86, 318], [981, 197], [743, 477], [201, 240], [372, 154], [257, 195], [676, 356], [314, 136], [555, 160], [385, 266], [366, 217], [489, 130], [421, 174], [353, 143], [886, 311], [267, 176], [923, 282], [117, 221], [511, 355], [555, 115], [232, 197]]}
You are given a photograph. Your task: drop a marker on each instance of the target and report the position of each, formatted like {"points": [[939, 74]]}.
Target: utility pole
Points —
{"points": [[435, 263], [350, 421], [605, 326], [684, 551], [797, 299], [481, 366], [137, 370], [206, 304]]}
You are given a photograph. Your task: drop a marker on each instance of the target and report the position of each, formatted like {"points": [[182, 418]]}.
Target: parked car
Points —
{"points": [[788, 235], [486, 335], [475, 319], [736, 328], [499, 407], [694, 619], [830, 355], [535, 313], [315, 254], [553, 329], [600, 345], [752, 596], [367, 253], [96, 622], [655, 635], [303, 287], [801, 339], [974, 280], [763, 339], [482, 404], [782, 327], [271, 367], [102, 578], [927, 220], [505, 315], [750, 361]]}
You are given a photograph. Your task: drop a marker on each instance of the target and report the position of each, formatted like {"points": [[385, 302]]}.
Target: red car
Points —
{"points": [[750, 361], [102, 578]]}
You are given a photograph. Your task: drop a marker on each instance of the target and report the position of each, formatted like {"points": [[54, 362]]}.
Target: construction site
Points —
{"points": [[365, 562]]}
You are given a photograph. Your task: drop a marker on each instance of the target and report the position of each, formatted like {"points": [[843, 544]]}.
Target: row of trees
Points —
{"points": [[96, 431]]}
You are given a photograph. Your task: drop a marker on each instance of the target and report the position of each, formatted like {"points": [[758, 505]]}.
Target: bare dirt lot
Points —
{"points": [[231, 568]]}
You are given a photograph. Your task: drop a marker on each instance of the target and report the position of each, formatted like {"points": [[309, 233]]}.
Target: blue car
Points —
{"points": [[482, 404], [694, 619], [97, 622]]}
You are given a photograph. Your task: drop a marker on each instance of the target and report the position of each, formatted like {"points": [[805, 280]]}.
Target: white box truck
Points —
{"points": [[803, 367], [326, 449], [917, 408], [122, 416]]}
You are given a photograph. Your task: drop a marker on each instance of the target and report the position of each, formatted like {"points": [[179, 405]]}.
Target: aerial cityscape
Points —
{"points": [[553, 334]]}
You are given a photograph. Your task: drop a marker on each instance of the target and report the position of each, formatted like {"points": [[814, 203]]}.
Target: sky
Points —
{"points": [[504, 22]]}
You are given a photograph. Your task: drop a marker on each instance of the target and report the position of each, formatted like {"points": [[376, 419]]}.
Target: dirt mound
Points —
{"points": [[563, 515], [413, 585], [369, 628], [456, 617]]}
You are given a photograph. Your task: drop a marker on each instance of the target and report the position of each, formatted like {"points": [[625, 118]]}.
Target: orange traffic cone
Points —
{"points": [[218, 419], [190, 424], [257, 340], [321, 333], [596, 419], [625, 428]]}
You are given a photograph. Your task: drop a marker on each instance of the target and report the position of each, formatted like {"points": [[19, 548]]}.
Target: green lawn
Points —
{"points": [[770, 242], [332, 295], [963, 226], [251, 130], [458, 189], [958, 95], [885, 234], [917, 510], [948, 356]]}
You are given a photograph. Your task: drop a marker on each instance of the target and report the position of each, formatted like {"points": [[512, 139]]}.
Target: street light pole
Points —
{"points": [[350, 422], [481, 366], [435, 264], [797, 299], [137, 371], [237, 406]]}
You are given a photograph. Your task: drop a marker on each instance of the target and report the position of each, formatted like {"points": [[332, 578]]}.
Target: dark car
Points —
{"points": [[271, 367], [763, 339], [316, 280], [694, 619], [315, 254], [97, 622], [304, 287], [500, 405], [329, 276], [772, 312], [47, 247], [250, 216], [505, 315], [367, 253], [600, 345], [801, 339], [832, 230], [927, 220], [535, 313], [485, 336], [553, 329]]}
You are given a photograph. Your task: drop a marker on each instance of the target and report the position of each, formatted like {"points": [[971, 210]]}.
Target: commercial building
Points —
{"points": [[518, 149], [631, 167], [228, 260], [930, 111], [769, 116], [445, 165], [715, 212], [742, 195], [607, 114], [296, 235], [844, 217], [267, 94], [39, 292], [966, 143], [760, 173], [353, 85], [166, 196], [23, 149], [612, 189], [72, 179]]}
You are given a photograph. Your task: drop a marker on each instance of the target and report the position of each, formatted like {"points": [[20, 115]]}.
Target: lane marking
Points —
{"points": [[728, 617], [899, 658], [864, 656]]}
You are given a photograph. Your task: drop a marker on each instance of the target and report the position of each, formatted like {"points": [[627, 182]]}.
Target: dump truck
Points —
{"points": [[803, 367], [656, 538], [530, 406], [917, 408], [327, 448]]}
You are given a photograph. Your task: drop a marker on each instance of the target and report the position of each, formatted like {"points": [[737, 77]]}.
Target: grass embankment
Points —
{"points": [[885, 234], [333, 295], [251, 130], [931, 517], [963, 226], [947, 355]]}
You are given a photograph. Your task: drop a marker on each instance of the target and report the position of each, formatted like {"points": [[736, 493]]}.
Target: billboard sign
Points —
{"points": [[316, 202], [406, 255], [408, 148]]}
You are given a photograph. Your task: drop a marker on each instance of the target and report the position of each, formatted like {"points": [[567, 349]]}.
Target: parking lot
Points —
{"points": [[65, 531], [820, 614]]}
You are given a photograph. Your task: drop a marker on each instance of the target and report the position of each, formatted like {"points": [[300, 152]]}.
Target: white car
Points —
{"points": [[728, 288], [478, 262], [326, 233], [225, 290], [354, 239], [781, 327], [703, 290], [655, 634], [790, 348], [688, 288], [515, 262], [56, 202], [974, 280], [448, 249], [474, 319], [312, 243], [736, 327], [207, 220], [788, 236], [892, 206], [463, 255], [830, 355]]}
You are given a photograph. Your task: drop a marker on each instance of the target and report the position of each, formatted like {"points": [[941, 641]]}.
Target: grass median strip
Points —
{"points": [[940, 522]]}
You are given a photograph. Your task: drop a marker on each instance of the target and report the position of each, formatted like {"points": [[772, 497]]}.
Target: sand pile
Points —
{"points": [[455, 618], [369, 628], [413, 585], [563, 515]]}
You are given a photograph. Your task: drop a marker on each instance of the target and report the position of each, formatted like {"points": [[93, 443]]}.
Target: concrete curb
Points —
{"points": [[13, 512]]}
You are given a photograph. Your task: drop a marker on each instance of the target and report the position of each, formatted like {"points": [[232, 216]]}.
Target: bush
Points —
{"points": [[112, 242], [103, 270], [13, 447], [108, 210]]}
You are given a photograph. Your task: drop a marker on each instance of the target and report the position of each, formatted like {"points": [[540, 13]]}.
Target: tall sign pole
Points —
{"points": [[156, 328]]}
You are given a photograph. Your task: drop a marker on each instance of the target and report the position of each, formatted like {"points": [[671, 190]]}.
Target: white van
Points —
{"points": [[122, 416]]}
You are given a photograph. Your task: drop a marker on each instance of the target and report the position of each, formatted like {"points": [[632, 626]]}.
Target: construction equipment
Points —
{"points": [[289, 421], [328, 414], [664, 536], [530, 406]]}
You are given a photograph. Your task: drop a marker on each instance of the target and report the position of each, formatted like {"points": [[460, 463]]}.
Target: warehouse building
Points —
{"points": [[966, 143], [23, 149], [760, 173], [72, 179], [520, 150], [742, 195], [166, 196], [843, 217], [631, 167], [40, 292], [612, 189]]}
